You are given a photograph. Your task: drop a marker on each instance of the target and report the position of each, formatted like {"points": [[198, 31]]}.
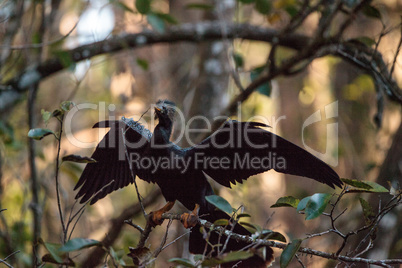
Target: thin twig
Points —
{"points": [[163, 242], [5, 263], [81, 210], [57, 181], [396, 55], [352, 16], [130, 222], [175, 240], [12, 254], [144, 235], [34, 180], [299, 260], [263, 242], [40, 45]]}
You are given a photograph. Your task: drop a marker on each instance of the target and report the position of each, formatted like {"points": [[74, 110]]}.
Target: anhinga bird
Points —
{"points": [[232, 154]]}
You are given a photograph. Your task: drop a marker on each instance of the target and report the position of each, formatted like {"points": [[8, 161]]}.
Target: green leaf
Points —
{"points": [[66, 261], [243, 215], [54, 251], [143, 64], [252, 226], [156, 22], [289, 252], [368, 211], [292, 10], [221, 222], [36, 38], [57, 113], [264, 89], [367, 41], [256, 72], [220, 203], [7, 133], [199, 6], [166, 17], [78, 159], [302, 204], [198, 257], [113, 254], [46, 116], [182, 261], [263, 6], [79, 243], [238, 59], [66, 105], [39, 133], [287, 201], [376, 188], [357, 184], [271, 235], [236, 256], [316, 205], [143, 6], [364, 186], [371, 12], [65, 58]]}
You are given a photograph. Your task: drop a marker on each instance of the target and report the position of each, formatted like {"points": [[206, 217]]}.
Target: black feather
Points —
{"points": [[238, 143]]}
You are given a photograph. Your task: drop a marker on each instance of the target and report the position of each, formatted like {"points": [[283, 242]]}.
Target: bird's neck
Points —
{"points": [[162, 133]]}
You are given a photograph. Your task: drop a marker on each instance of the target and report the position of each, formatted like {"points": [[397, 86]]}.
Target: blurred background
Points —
{"points": [[198, 77]]}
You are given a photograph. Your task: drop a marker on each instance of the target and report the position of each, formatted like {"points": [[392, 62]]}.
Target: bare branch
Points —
{"points": [[398, 49], [262, 242], [94, 258], [3, 261]]}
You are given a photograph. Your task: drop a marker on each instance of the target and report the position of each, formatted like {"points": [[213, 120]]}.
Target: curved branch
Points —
{"points": [[201, 32], [95, 257], [250, 240]]}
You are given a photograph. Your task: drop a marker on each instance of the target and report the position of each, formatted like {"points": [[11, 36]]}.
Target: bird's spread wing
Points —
{"points": [[111, 171], [239, 150]]}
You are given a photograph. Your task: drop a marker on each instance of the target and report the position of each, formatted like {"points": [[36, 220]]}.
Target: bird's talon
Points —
{"points": [[155, 218], [190, 219]]}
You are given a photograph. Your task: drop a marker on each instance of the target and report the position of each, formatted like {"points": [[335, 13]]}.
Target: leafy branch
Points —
{"points": [[356, 53], [313, 207]]}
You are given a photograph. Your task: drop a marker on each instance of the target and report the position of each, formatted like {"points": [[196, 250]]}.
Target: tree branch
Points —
{"points": [[263, 242], [200, 32], [95, 257], [361, 56]]}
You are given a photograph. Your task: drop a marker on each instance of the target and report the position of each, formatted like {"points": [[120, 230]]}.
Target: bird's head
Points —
{"points": [[165, 111]]}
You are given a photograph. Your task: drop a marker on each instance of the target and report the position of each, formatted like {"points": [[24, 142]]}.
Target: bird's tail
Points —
{"points": [[198, 244]]}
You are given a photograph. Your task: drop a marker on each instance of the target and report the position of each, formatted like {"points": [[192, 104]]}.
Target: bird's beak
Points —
{"points": [[157, 112]]}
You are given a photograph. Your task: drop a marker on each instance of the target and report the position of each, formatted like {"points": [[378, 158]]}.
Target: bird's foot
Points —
{"points": [[190, 219], [155, 217]]}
